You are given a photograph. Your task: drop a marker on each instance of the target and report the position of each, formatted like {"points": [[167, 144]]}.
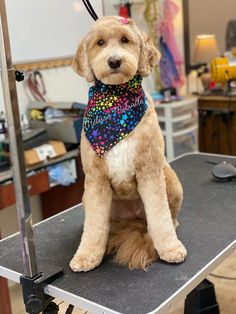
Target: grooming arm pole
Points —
{"points": [[16, 148], [33, 281]]}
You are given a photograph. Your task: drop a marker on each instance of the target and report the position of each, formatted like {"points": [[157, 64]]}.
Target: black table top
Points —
{"points": [[207, 228]]}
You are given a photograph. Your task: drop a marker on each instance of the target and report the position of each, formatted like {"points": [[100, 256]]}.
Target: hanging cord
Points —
{"points": [[90, 9], [36, 86], [222, 277]]}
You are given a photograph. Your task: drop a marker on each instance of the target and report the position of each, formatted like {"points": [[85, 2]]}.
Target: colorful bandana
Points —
{"points": [[113, 111]]}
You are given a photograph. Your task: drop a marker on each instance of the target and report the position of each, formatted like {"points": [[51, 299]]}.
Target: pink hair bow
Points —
{"points": [[124, 21]]}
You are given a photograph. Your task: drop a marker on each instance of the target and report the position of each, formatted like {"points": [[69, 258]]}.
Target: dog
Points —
{"points": [[132, 196]]}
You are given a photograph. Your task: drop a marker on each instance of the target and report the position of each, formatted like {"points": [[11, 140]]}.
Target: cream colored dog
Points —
{"points": [[132, 196]]}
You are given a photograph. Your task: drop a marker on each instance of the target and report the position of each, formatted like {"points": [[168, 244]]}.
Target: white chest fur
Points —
{"points": [[120, 160]]}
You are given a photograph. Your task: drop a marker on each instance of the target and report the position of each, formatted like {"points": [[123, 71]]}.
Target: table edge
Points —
{"points": [[100, 309]]}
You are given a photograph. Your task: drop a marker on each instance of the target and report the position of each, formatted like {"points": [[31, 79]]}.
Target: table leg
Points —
{"points": [[5, 304], [202, 299]]}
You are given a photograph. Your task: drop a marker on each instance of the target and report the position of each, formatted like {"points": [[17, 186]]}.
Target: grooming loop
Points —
{"points": [[90, 9]]}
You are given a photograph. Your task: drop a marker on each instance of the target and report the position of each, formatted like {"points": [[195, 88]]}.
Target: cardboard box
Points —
{"points": [[65, 131], [47, 151]]}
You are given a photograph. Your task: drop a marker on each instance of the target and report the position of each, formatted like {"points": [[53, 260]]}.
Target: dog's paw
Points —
{"points": [[84, 263], [176, 254]]}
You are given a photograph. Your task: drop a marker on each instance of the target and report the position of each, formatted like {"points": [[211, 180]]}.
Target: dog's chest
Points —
{"points": [[120, 160]]}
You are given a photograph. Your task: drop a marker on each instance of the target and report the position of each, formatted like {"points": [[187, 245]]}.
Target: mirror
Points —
{"points": [[214, 17]]}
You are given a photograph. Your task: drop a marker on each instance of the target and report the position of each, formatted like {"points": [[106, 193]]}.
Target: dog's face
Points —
{"points": [[114, 51]]}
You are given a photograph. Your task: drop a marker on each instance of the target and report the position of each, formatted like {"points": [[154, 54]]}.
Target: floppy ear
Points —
{"points": [[80, 63], [149, 55]]}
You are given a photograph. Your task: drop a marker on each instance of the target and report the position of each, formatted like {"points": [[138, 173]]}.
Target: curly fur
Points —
{"points": [[131, 245], [132, 196]]}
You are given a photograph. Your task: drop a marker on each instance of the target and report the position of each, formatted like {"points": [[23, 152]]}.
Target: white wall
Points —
{"points": [[220, 12], [43, 29], [64, 84]]}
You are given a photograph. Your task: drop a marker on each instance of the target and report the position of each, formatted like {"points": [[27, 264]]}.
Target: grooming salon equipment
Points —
{"points": [[223, 70], [33, 279], [224, 171]]}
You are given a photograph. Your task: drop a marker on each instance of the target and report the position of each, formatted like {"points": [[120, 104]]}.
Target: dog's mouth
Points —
{"points": [[115, 76], [116, 71]]}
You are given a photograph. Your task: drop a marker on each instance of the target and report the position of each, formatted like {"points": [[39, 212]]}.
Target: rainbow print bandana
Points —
{"points": [[113, 112]]}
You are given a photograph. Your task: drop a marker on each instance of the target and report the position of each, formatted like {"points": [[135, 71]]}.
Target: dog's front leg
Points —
{"points": [[152, 188], [97, 203]]}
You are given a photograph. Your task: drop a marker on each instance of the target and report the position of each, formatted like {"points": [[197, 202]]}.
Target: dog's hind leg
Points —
{"points": [[174, 192]]}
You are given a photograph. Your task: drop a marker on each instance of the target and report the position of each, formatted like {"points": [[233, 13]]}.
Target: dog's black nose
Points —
{"points": [[114, 62]]}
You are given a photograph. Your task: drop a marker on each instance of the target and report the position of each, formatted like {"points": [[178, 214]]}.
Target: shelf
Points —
{"points": [[182, 132], [180, 118], [8, 174], [176, 104]]}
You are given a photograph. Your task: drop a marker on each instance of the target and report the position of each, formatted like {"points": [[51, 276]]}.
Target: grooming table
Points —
{"points": [[207, 228]]}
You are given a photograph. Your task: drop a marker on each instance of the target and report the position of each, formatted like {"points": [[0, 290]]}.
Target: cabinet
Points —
{"points": [[217, 124], [37, 184], [60, 197], [179, 123], [54, 198]]}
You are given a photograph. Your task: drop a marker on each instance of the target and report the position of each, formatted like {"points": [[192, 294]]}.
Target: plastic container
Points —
{"points": [[185, 143], [181, 125], [178, 113]]}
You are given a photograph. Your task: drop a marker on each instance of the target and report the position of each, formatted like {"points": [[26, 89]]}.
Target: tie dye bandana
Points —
{"points": [[113, 111]]}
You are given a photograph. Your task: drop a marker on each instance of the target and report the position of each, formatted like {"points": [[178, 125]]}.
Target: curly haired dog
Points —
{"points": [[132, 196]]}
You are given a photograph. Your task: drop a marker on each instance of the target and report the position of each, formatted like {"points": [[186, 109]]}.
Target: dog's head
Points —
{"points": [[114, 51]]}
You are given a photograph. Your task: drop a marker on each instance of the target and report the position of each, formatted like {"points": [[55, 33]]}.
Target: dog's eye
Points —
{"points": [[101, 42], [124, 40]]}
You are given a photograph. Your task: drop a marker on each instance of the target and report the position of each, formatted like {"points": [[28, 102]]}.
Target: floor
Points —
{"points": [[225, 291]]}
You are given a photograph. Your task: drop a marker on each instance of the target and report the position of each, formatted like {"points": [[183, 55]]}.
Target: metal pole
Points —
{"points": [[16, 148]]}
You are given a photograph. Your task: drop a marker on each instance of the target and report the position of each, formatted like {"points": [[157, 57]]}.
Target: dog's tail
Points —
{"points": [[130, 244]]}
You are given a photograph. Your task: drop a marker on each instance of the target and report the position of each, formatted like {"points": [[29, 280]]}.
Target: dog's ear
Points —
{"points": [[80, 63], [149, 55]]}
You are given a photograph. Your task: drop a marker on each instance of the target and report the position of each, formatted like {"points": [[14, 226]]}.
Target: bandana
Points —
{"points": [[113, 111]]}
